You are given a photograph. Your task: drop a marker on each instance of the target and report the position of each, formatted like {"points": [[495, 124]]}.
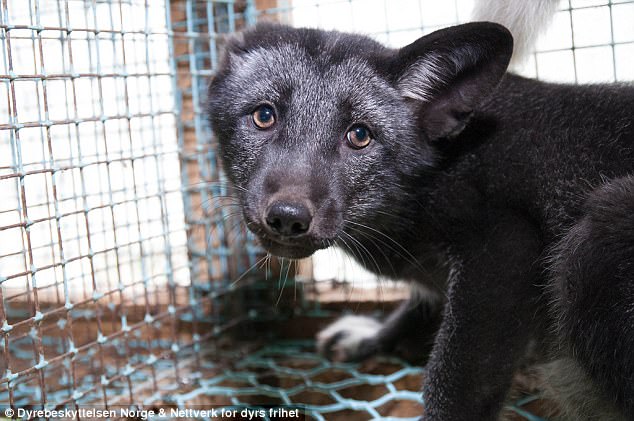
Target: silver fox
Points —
{"points": [[510, 200]]}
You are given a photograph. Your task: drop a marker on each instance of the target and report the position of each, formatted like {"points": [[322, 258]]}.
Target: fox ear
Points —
{"points": [[449, 73]]}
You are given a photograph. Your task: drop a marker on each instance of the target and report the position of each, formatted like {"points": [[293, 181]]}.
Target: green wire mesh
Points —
{"points": [[289, 374]]}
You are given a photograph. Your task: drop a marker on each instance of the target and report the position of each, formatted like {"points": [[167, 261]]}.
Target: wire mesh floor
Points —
{"points": [[290, 374], [283, 375]]}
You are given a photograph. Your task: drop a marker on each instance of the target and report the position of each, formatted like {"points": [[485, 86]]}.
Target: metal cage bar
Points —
{"points": [[116, 262]]}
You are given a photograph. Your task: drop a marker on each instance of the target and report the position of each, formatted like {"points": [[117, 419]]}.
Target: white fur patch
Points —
{"points": [[422, 78], [354, 330], [525, 19]]}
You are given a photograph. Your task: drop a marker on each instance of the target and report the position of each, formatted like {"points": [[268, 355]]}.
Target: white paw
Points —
{"points": [[342, 340]]}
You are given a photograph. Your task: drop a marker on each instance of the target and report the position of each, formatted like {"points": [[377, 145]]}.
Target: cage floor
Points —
{"points": [[289, 374], [260, 376]]}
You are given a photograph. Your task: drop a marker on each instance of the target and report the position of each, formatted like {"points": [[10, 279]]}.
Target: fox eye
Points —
{"points": [[263, 116], [358, 137]]}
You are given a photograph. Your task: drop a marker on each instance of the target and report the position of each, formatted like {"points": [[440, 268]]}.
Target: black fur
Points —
{"points": [[476, 173], [594, 291]]}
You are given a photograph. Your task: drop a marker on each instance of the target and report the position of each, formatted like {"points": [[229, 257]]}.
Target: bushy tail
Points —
{"points": [[526, 19]]}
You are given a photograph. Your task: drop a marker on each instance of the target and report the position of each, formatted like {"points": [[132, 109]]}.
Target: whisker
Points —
{"points": [[430, 276], [347, 256], [279, 280], [379, 277], [288, 268], [247, 271], [408, 257], [376, 264], [228, 230]]}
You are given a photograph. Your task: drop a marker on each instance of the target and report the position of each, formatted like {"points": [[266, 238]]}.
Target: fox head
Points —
{"points": [[327, 134]]}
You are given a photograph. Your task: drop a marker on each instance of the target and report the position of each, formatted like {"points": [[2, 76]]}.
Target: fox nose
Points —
{"points": [[288, 219]]}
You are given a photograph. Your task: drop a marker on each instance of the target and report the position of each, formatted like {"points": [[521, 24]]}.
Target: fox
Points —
{"points": [[506, 202]]}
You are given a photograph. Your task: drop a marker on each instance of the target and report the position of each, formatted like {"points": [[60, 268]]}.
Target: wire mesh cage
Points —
{"points": [[113, 268], [123, 262]]}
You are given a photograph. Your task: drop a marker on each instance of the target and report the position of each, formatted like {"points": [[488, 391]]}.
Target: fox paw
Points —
{"points": [[351, 338]]}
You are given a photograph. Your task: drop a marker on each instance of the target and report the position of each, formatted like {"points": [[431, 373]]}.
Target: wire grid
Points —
{"points": [[289, 374], [108, 283], [588, 41], [220, 249]]}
